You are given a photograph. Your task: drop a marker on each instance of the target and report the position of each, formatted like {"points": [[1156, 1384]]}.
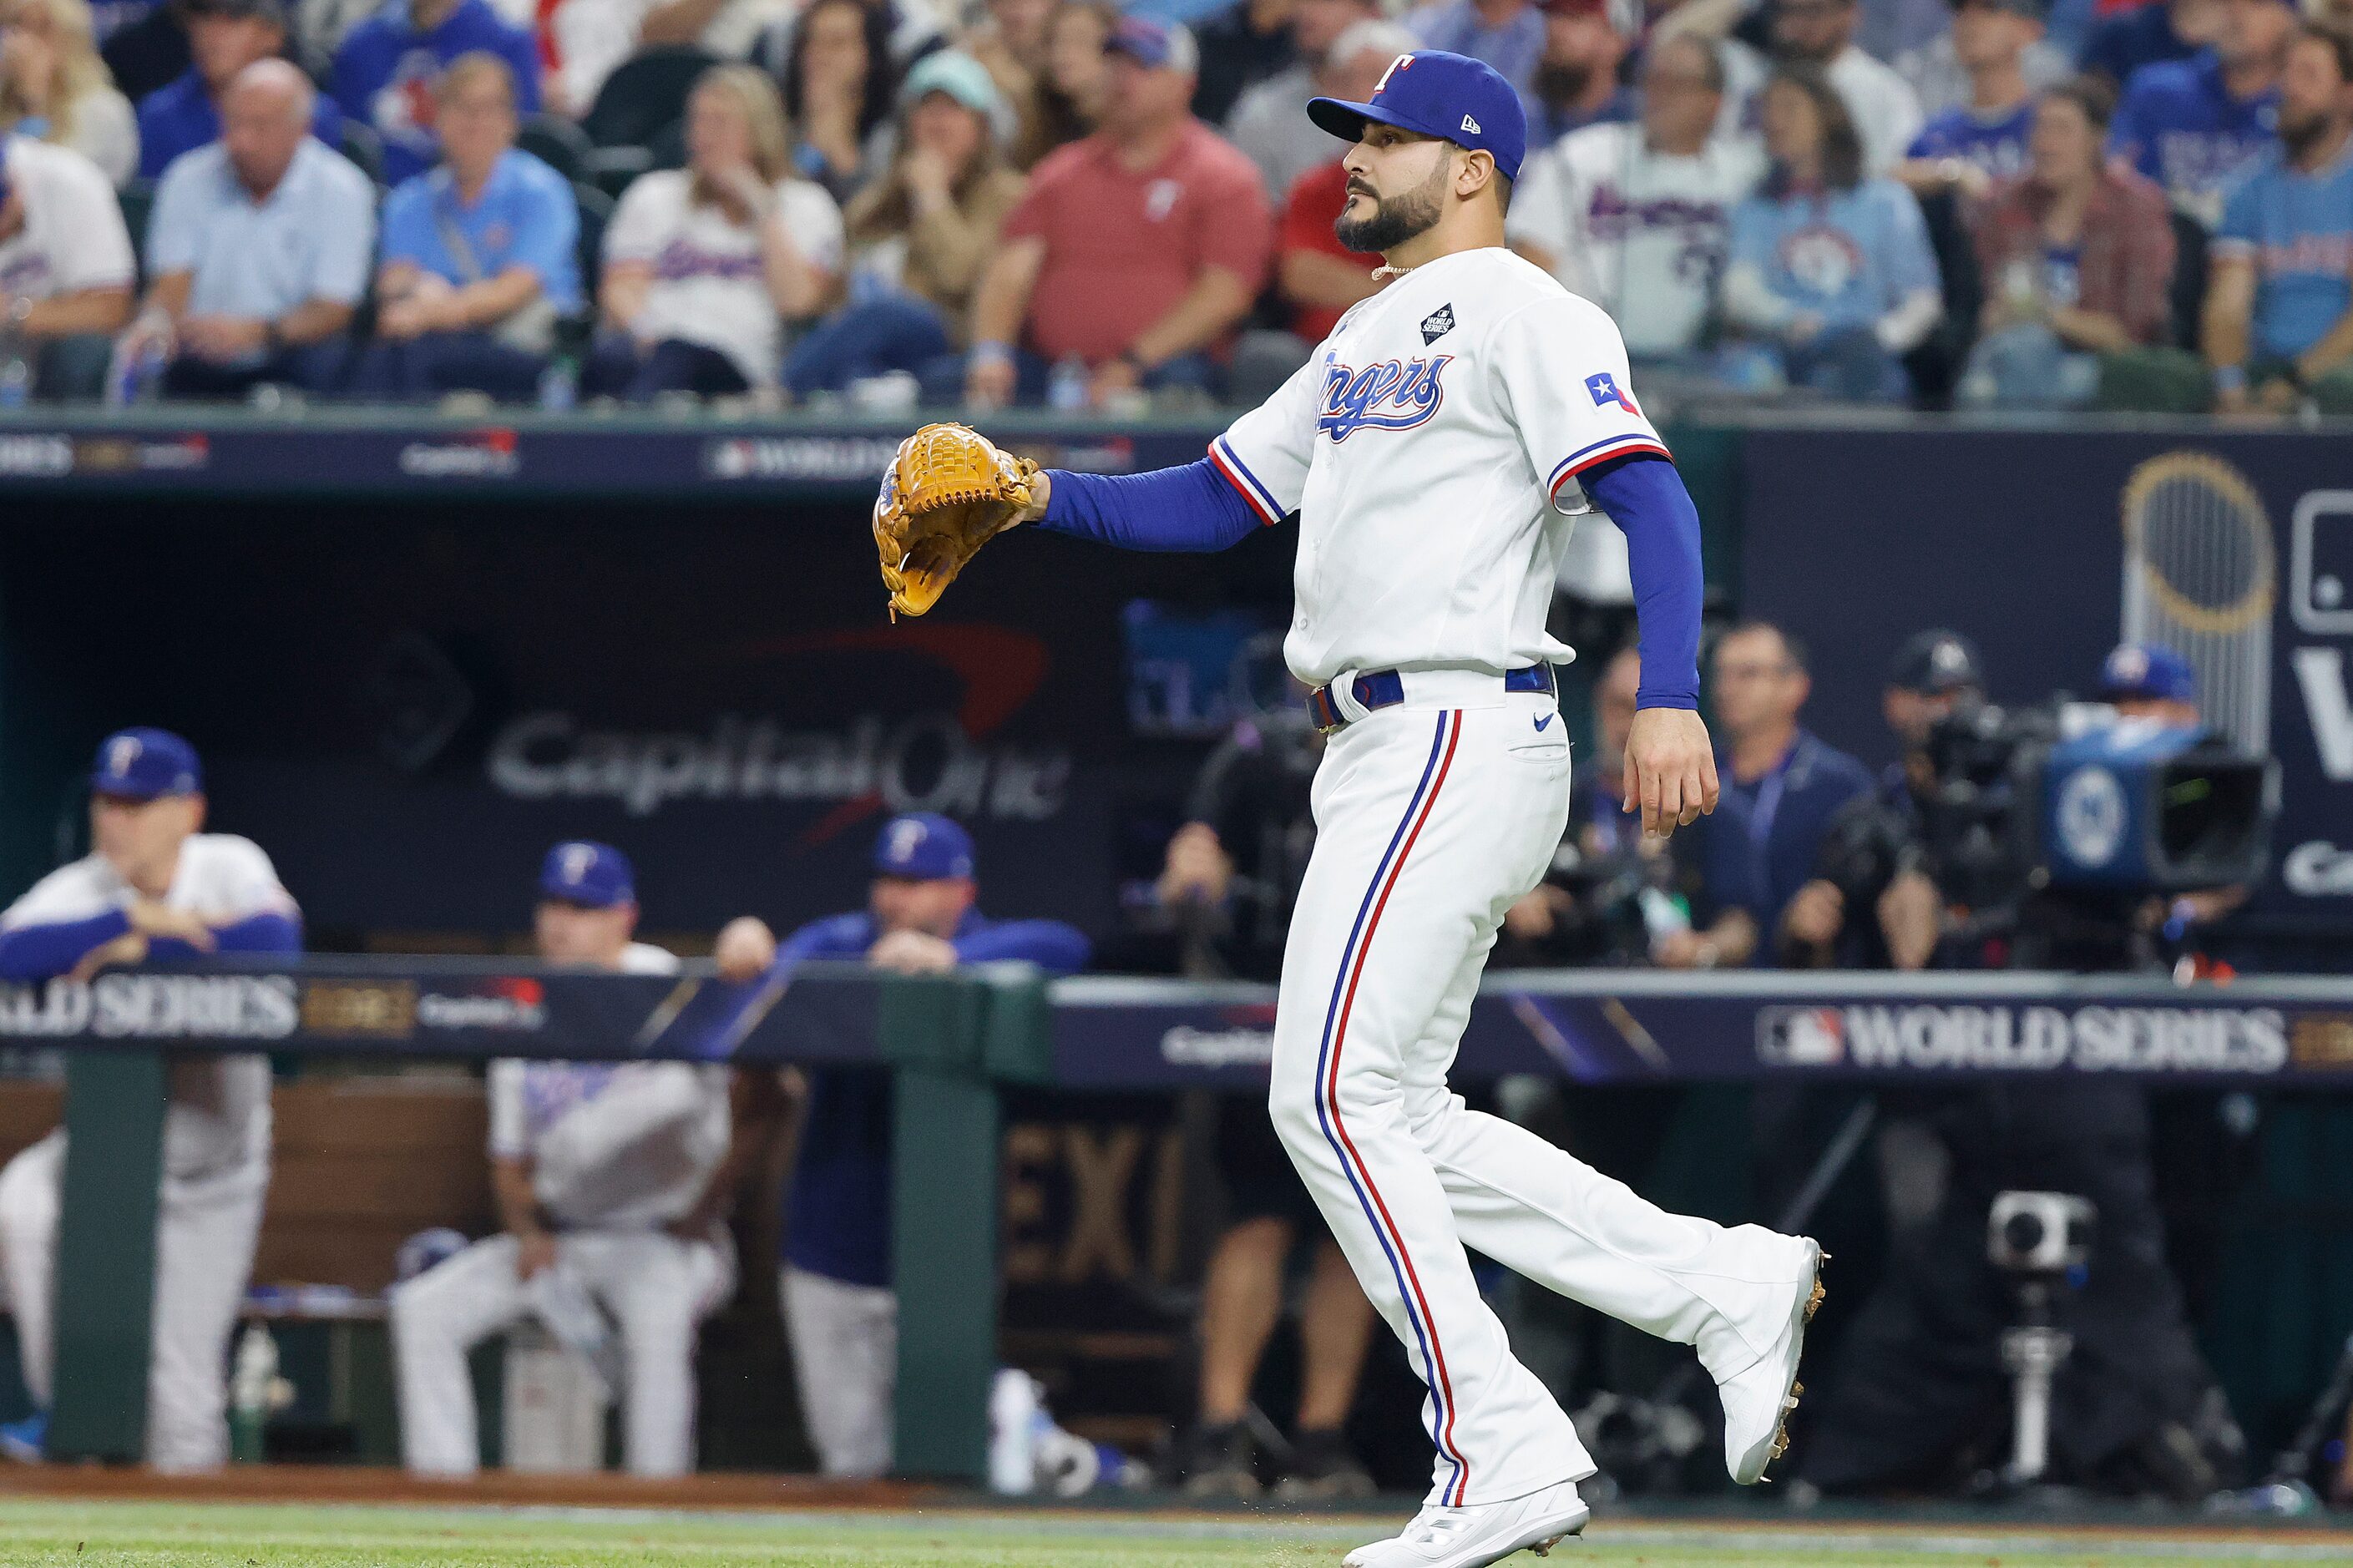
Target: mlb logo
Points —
{"points": [[1606, 391], [1801, 1037]]}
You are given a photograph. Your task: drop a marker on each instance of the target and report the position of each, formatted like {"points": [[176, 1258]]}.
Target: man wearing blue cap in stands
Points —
{"points": [[602, 1174], [841, 1312], [153, 887], [2143, 680]]}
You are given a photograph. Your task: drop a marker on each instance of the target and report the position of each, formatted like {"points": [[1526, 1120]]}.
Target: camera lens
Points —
{"points": [[2022, 1233]]}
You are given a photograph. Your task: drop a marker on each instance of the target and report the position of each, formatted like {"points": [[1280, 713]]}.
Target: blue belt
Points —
{"points": [[1386, 689]]}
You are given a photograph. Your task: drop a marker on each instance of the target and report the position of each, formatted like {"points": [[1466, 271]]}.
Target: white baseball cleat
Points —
{"points": [[1758, 1402], [1482, 1533]]}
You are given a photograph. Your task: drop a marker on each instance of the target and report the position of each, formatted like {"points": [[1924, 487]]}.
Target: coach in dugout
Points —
{"points": [[841, 1312], [600, 1171], [152, 887]]}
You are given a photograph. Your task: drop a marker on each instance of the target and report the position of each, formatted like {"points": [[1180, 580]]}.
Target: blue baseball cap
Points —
{"points": [[145, 764], [2147, 672], [923, 846], [1154, 43], [582, 871], [1451, 97]]}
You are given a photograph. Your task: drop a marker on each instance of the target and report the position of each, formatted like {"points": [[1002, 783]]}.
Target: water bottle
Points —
{"points": [[559, 385], [1066, 389], [16, 362], [138, 375], [253, 1390]]}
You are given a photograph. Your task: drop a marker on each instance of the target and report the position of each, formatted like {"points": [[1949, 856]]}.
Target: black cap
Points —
{"points": [[1935, 661]]}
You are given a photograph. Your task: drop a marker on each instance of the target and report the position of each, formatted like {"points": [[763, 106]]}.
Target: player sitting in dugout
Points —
{"points": [[608, 1177], [152, 887], [842, 1315]]}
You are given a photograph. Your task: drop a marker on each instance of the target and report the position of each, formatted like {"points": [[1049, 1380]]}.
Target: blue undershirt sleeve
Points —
{"points": [[1053, 946], [268, 932], [1646, 497], [1193, 507], [31, 952]]}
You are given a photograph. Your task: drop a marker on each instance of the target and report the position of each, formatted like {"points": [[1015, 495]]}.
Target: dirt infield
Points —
{"points": [[491, 1489], [1730, 1522]]}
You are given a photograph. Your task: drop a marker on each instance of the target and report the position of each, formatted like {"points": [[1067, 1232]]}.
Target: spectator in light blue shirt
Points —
{"points": [[1831, 277], [2192, 125], [386, 67], [259, 247], [481, 255], [1508, 35], [2279, 304]]}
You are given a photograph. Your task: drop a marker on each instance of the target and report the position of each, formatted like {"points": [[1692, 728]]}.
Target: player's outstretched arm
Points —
{"points": [[1193, 507], [1669, 762]]}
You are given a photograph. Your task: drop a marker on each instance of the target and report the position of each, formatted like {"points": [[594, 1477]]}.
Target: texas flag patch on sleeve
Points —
{"points": [[1606, 391]]}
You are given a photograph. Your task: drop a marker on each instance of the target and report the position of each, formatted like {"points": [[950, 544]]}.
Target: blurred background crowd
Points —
{"points": [[2106, 204]]}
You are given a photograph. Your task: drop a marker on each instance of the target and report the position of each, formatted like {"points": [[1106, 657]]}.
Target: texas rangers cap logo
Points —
{"points": [[1606, 391]]}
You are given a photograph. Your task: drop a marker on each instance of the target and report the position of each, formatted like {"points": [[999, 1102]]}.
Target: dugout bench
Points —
{"points": [[952, 1041]]}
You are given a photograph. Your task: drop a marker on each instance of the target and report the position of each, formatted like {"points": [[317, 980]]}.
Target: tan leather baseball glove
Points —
{"points": [[949, 490]]}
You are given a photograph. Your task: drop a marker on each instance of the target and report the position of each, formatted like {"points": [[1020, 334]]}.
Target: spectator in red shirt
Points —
{"points": [[1316, 274], [1133, 253]]}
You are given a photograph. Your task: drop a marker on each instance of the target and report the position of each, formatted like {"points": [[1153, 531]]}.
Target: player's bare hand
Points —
{"points": [[988, 380], [912, 952], [534, 1251], [1670, 770], [150, 918], [128, 949], [1815, 914], [745, 949], [1533, 917], [1198, 871]]}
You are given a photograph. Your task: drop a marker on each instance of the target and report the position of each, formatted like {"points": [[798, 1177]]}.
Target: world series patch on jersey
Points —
{"points": [[1472, 391]]}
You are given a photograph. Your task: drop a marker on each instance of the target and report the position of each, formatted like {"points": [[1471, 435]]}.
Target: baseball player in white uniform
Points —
{"points": [[1436, 448], [600, 1171], [153, 887]]}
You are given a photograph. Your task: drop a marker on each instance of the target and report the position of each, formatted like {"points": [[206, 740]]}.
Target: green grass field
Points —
{"points": [[38, 1534]]}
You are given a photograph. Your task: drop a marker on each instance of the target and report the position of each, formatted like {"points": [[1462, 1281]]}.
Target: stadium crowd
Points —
{"points": [[2140, 206]]}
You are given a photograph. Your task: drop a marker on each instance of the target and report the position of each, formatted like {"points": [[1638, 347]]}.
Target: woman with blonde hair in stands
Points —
{"points": [[705, 264], [920, 236], [55, 89]]}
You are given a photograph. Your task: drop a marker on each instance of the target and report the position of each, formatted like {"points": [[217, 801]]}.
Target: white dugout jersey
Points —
{"points": [[225, 878], [1430, 447], [643, 1184]]}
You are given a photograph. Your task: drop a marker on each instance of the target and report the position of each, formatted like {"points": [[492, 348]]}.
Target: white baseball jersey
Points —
{"points": [[1430, 446], [616, 1145], [1640, 232], [225, 878]]}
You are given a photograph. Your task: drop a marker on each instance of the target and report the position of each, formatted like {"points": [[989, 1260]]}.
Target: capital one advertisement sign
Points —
{"points": [[2018, 539]]}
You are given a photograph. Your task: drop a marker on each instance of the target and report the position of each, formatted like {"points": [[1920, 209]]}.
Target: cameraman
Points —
{"points": [[1234, 867], [1871, 855]]}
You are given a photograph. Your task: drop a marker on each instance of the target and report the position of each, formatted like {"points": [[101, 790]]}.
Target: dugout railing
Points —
{"points": [[954, 1042]]}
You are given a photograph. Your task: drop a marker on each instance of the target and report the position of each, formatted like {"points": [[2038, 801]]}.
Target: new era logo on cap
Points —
{"points": [[1471, 125]]}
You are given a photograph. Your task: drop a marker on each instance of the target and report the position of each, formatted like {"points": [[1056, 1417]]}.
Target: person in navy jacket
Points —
{"points": [[152, 887], [841, 1312]]}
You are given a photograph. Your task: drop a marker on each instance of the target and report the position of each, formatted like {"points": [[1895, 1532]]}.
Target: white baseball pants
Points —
{"points": [[845, 1340], [657, 1287], [204, 1234], [1432, 818]]}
